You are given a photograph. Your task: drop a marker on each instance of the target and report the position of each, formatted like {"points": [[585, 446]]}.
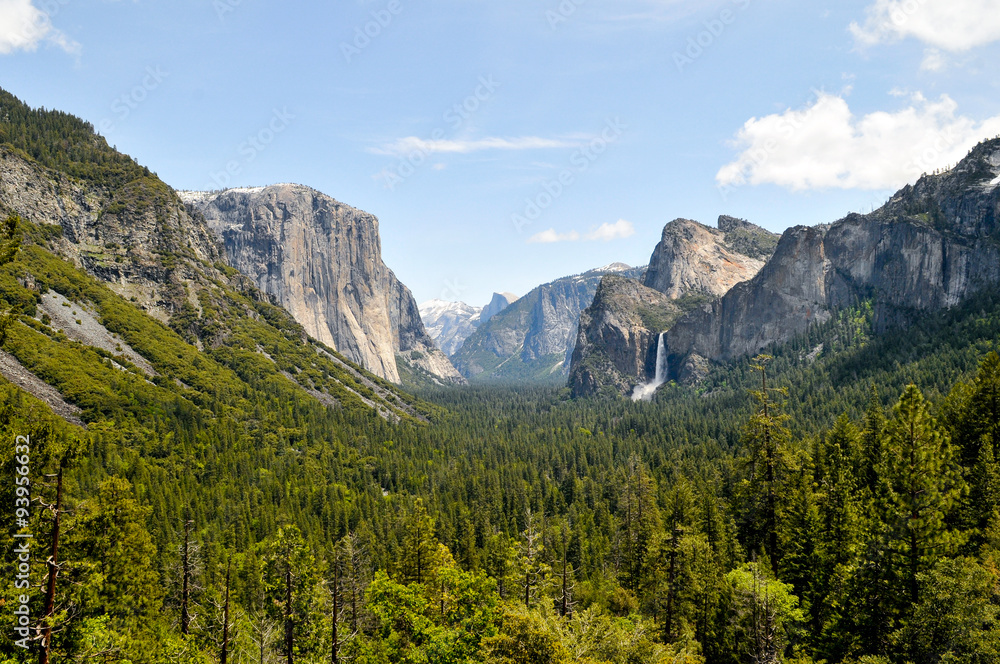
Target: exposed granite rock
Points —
{"points": [[616, 343], [532, 340], [322, 261], [499, 302], [933, 244], [693, 258], [449, 324], [692, 264], [140, 239]]}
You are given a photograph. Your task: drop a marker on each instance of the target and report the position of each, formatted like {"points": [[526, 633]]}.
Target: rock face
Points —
{"points": [[140, 238], [692, 258], [618, 335], [532, 340], [499, 302], [322, 261], [449, 324], [933, 244], [693, 264]]}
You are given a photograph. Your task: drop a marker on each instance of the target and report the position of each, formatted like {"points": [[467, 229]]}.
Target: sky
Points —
{"points": [[506, 143]]}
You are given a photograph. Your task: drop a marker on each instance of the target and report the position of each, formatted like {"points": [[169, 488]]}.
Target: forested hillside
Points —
{"points": [[839, 517], [241, 494]]}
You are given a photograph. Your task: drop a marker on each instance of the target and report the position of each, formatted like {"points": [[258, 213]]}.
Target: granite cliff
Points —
{"points": [[616, 342], [532, 339], [930, 246], [449, 324], [322, 261], [693, 264], [114, 267]]}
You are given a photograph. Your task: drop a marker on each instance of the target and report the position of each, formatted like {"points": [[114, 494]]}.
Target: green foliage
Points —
{"points": [[493, 525], [63, 142]]}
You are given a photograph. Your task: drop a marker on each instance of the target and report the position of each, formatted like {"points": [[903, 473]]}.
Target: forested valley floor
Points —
{"points": [[837, 501]]}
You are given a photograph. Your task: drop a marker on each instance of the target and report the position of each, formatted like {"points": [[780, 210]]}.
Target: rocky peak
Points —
{"points": [[321, 260], [499, 302], [693, 258], [449, 323], [616, 341], [930, 246]]}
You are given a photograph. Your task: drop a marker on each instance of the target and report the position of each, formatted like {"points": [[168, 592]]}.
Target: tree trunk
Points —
{"points": [[335, 657], [50, 586], [185, 579], [225, 620], [289, 625]]}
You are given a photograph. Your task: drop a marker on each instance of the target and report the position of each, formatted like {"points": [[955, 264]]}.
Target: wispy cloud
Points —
{"points": [[952, 25], [23, 26], [603, 233], [413, 144], [825, 146]]}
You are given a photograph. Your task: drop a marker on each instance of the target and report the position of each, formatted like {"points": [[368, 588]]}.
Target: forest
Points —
{"points": [[835, 500], [839, 509]]}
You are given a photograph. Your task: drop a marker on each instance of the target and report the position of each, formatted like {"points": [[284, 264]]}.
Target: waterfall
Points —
{"points": [[645, 391]]}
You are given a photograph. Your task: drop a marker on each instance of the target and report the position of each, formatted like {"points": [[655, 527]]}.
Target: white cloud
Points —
{"points": [[23, 26], [827, 146], [413, 145], [603, 233], [933, 60], [952, 25]]}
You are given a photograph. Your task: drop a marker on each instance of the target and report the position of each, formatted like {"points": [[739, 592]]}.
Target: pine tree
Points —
{"points": [[925, 483], [767, 437]]}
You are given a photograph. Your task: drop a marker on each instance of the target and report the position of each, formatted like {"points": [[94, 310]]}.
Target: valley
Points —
{"points": [[251, 444]]}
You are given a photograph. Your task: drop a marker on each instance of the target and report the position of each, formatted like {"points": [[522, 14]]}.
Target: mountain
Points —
{"points": [[532, 339], [932, 245], [147, 288], [692, 264], [322, 261], [449, 324], [617, 336], [693, 258], [499, 302]]}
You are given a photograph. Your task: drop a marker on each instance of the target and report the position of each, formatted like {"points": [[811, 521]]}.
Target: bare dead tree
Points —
{"points": [[52, 565], [531, 559]]}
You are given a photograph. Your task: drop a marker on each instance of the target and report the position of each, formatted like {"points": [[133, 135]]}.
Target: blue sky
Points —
{"points": [[505, 144]]}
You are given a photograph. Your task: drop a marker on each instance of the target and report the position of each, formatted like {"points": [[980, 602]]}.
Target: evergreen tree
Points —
{"points": [[766, 438], [925, 483]]}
